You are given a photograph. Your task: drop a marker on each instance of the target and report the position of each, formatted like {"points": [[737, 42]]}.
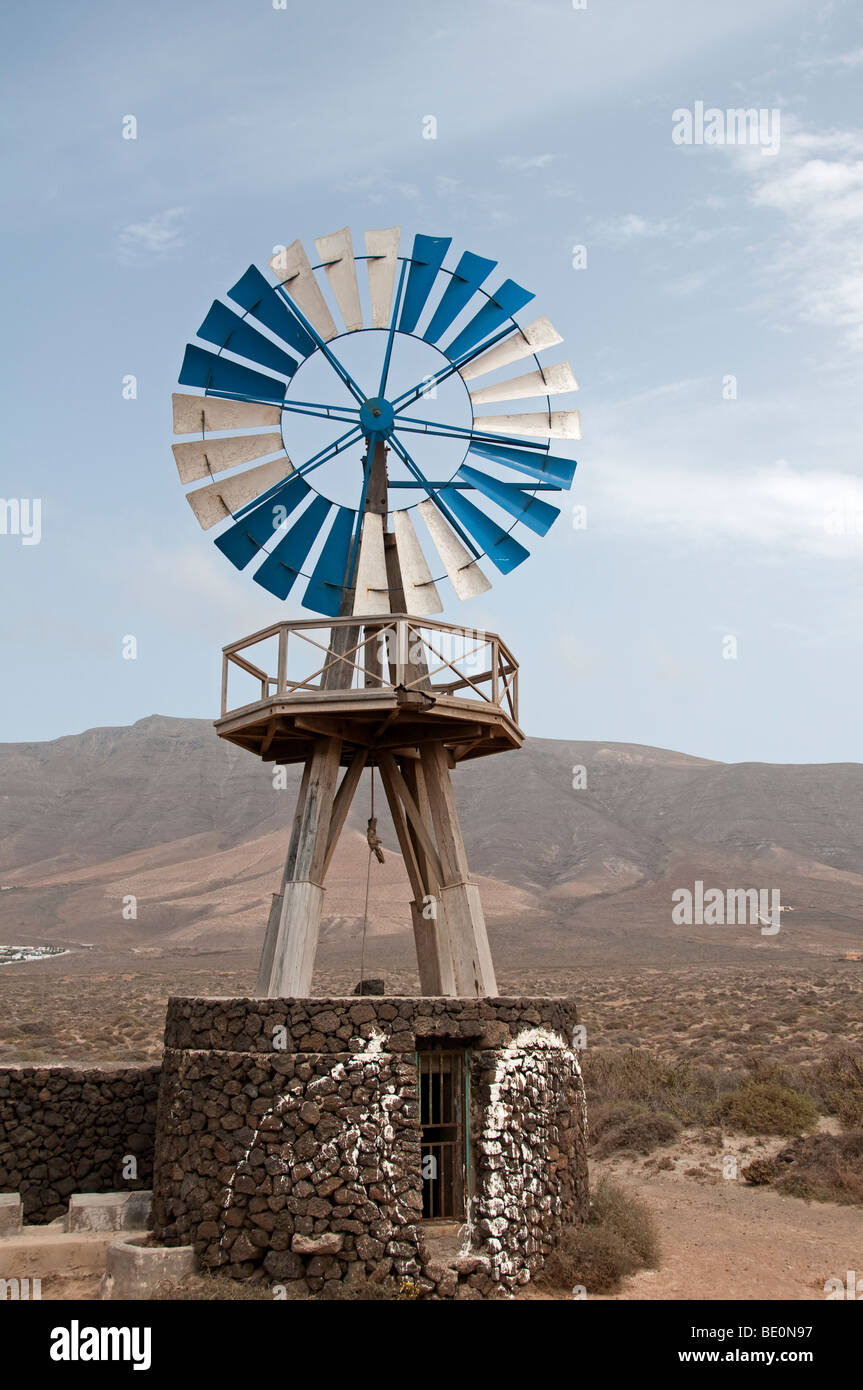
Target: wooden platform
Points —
{"points": [[387, 685], [411, 697]]}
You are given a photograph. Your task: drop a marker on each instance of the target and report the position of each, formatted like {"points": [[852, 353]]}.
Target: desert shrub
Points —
{"points": [[630, 1127], [793, 1078], [205, 1287], [681, 1089], [765, 1107], [618, 1239], [819, 1168], [839, 1082]]}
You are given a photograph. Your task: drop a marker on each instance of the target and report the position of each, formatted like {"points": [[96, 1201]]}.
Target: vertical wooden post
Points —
{"points": [[434, 957], [460, 901], [296, 936]]}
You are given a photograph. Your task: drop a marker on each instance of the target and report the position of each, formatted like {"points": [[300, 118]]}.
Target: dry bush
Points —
{"points": [[681, 1089], [629, 1127], [618, 1239], [205, 1287], [765, 1107], [818, 1168], [838, 1080]]}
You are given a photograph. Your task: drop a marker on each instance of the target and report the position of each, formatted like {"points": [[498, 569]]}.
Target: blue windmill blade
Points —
{"points": [[504, 551], [254, 293], [545, 467], [515, 498], [325, 589], [504, 303], [282, 567], [242, 541], [466, 280], [227, 330], [426, 260], [221, 377]]}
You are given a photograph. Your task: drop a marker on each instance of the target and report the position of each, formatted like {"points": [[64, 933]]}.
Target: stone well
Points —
{"points": [[290, 1139]]}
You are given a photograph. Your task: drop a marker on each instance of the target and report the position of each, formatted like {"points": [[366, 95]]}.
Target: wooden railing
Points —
{"points": [[322, 656]]}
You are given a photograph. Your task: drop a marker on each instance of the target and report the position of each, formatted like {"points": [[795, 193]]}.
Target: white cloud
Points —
{"points": [[632, 227], [777, 507], [852, 59], [142, 242], [816, 184], [530, 161]]}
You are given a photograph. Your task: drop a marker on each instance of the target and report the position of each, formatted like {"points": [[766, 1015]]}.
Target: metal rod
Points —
{"points": [[392, 331], [450, 482], [434, 497], [331, 357], [407, 396]]}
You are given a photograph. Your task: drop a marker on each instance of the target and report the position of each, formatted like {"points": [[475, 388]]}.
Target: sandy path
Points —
{"points": [[729, 1240]]}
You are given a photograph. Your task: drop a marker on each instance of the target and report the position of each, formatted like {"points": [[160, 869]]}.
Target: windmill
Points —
{"points": [[398, 475]]}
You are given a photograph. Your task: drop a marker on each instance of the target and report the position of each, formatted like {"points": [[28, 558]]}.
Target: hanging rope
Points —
{"points": [[374, 843]]}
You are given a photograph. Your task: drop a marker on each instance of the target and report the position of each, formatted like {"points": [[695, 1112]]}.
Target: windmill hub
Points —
{"points": [[377, 417]]}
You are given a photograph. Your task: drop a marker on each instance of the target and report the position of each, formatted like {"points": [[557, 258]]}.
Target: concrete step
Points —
{"points": [[37, 1251]]}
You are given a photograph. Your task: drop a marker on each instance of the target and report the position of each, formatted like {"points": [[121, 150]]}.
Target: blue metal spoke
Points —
{"points": [[352, 436], [392, 331], [465, 433], [367, 473], [345, 441], [330, 356], [312, 408], [471, 487], [346, 414], [423, 482], [414, 394]]}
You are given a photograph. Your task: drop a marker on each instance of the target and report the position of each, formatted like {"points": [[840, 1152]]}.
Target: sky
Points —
{"points": [[710, 296]]}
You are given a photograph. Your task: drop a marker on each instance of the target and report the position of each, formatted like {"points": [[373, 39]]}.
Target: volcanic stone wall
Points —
{"points": [[65, 1130], [289, 1136]]}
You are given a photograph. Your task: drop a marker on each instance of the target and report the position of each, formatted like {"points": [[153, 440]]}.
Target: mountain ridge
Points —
{"points": [[165, 807]]}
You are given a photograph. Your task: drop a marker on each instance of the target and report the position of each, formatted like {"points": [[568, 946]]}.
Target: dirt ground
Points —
{"points": [[720, 1238], [731, 1241]]}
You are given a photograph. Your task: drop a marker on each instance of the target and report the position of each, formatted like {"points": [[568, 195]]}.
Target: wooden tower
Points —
{"points": [[382, 691], [378, 681]]}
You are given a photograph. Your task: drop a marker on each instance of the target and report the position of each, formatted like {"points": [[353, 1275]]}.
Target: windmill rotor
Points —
{"points": [[237, 440]]}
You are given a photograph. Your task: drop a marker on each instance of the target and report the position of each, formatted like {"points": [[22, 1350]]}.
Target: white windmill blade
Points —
{"points": [[382, 249], [294, 271], [548, 381], [463, 572], [558, 424], [217, 501], [336, 252], [421, 595], [205, 457], [372, 587], [532, 338], [202, 414]]}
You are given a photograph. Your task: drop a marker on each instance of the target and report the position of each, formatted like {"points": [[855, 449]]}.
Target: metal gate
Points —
{"points": [[443, 1102]]}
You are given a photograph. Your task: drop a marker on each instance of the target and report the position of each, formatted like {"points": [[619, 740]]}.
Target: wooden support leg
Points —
{"points": [[342, 804], [296, 935], [460, 901], [265, 968], [432, 946]]}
